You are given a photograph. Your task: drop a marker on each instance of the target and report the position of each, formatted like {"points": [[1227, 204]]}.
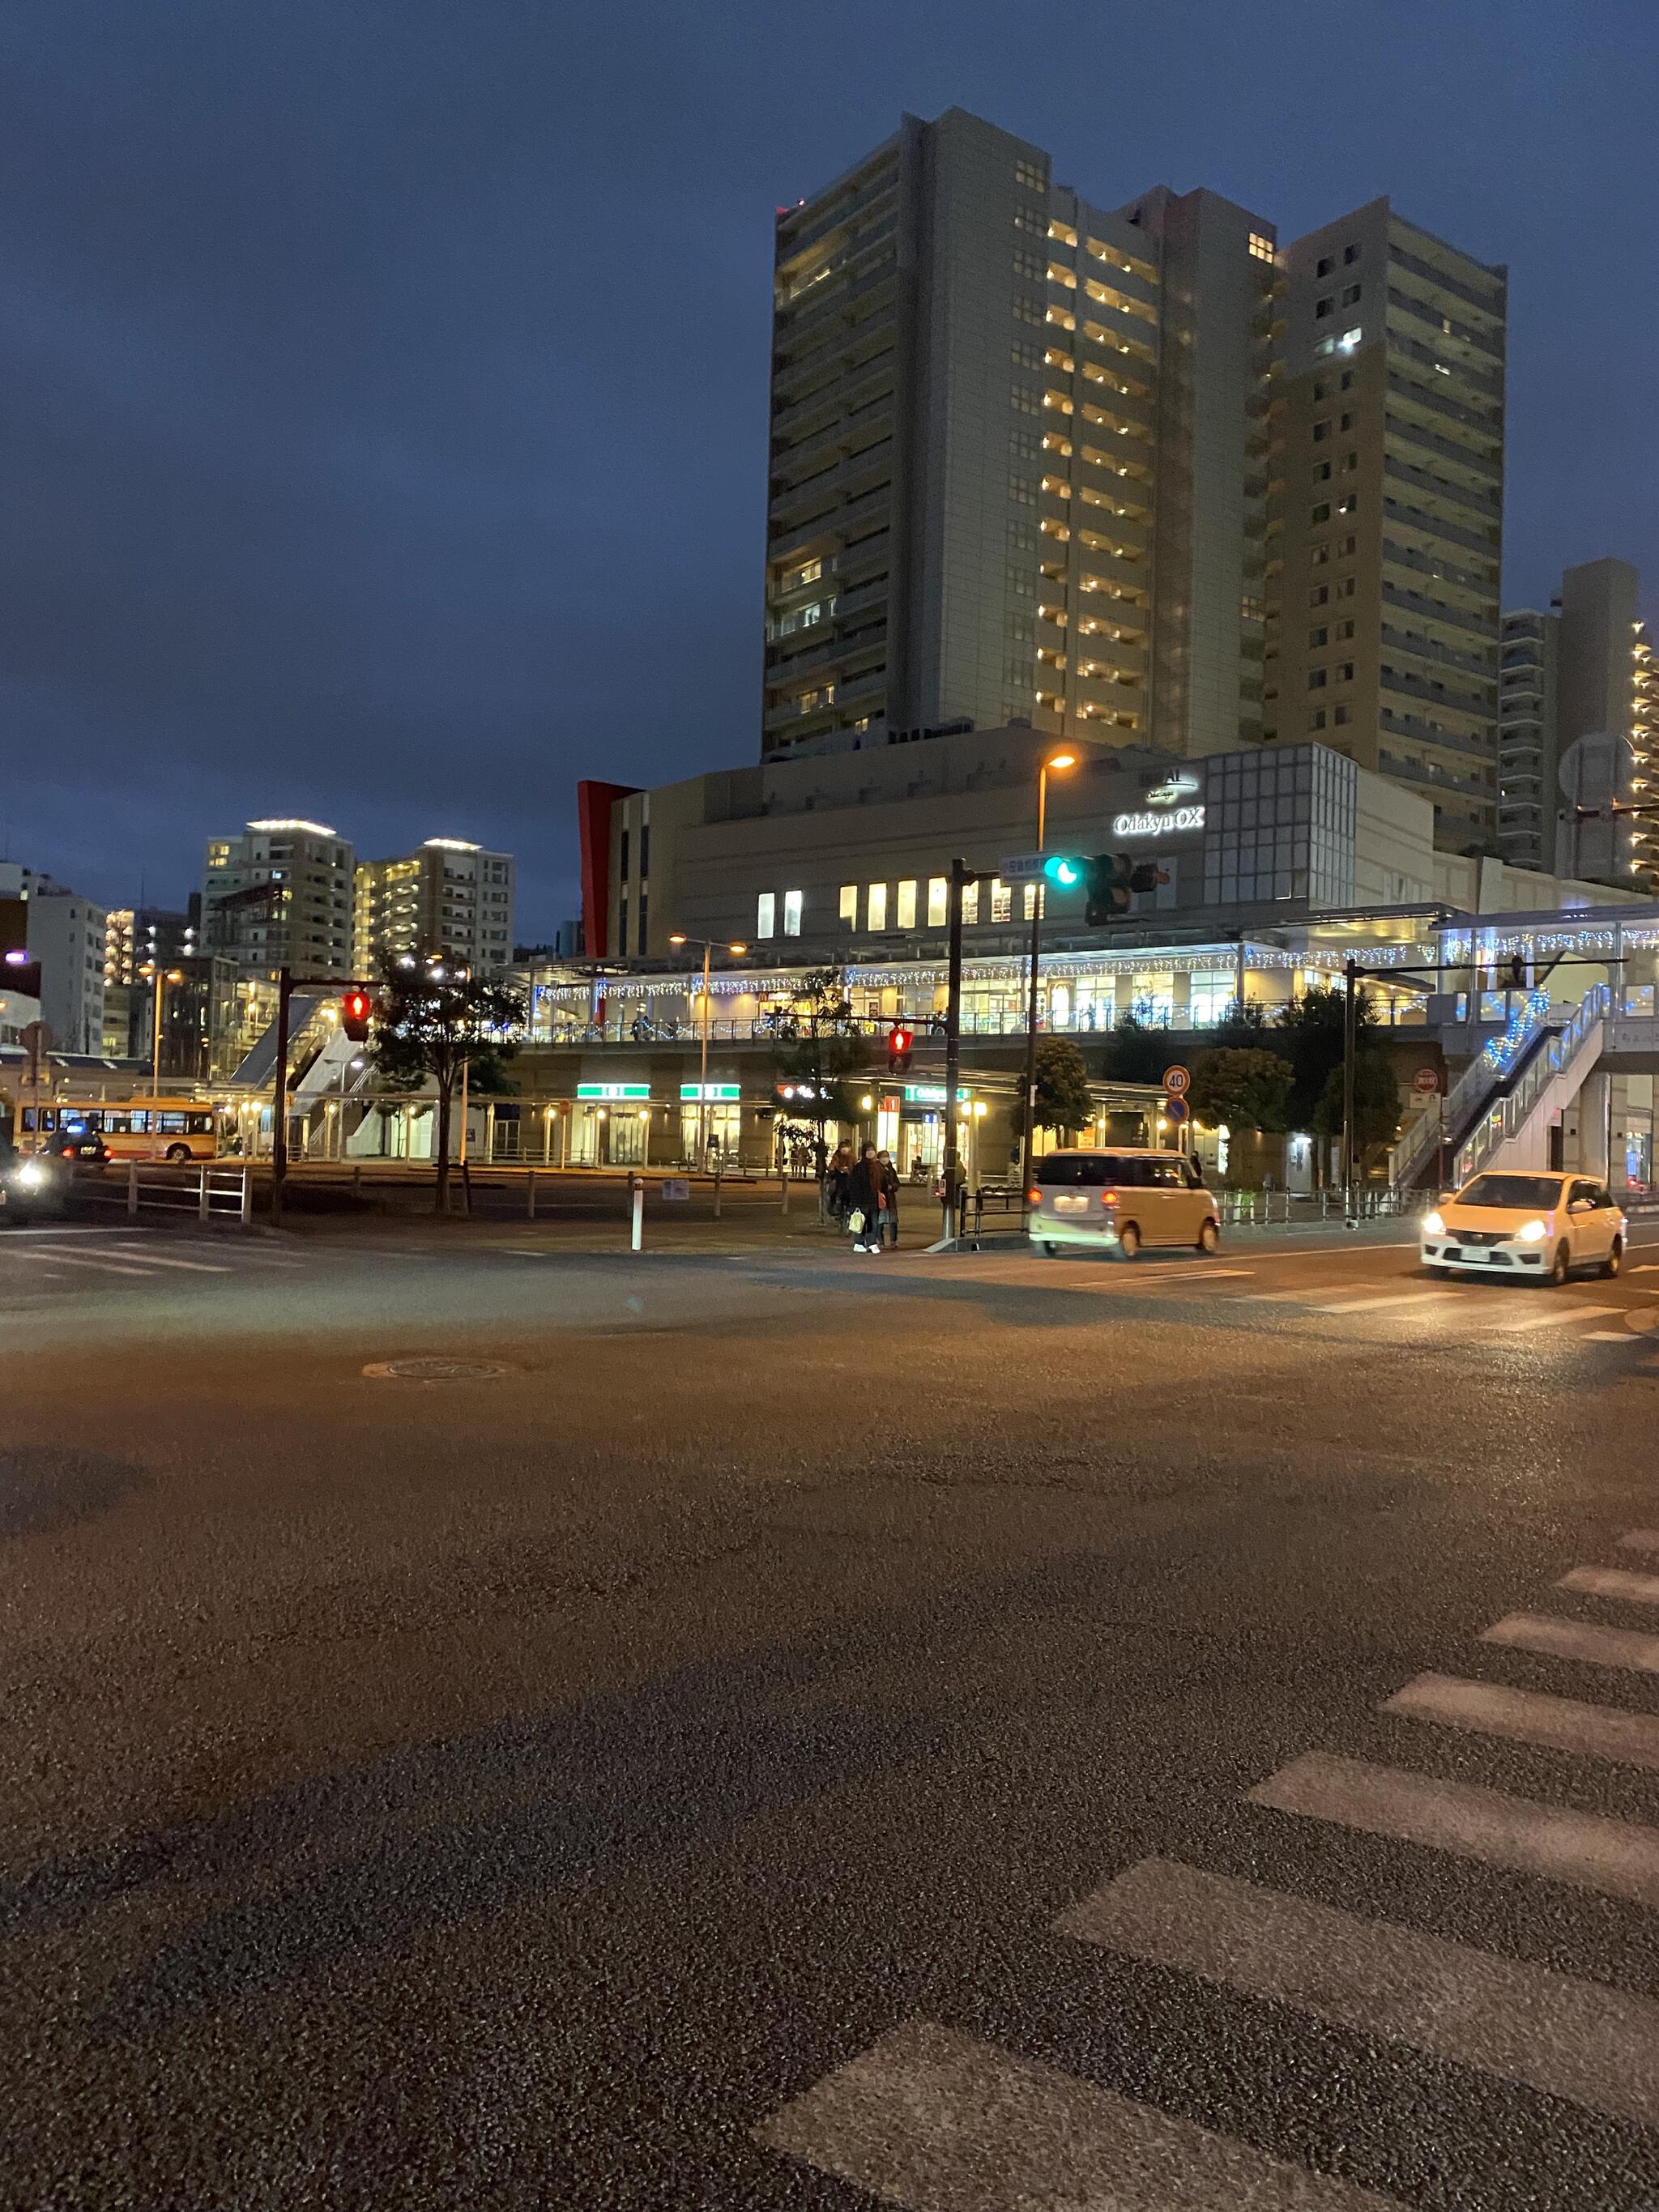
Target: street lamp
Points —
{"points": [[159, 980], [1054, 763], [679, 937]]}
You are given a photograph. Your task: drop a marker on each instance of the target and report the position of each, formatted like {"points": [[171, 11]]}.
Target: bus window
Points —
{"points": [[200, 1125], [170, 1124]]}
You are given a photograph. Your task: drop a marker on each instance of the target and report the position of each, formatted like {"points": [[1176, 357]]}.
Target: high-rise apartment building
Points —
{"points": [[65, 934], [447, 897], [280, 896], [1528, 757], [1386, 528], [1584, 669], [1018, 453], [134, 935]]}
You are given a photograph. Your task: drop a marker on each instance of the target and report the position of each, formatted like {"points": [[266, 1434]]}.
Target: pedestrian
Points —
{"points": [[864, 1202], [836, 1174], [887, 1217]]}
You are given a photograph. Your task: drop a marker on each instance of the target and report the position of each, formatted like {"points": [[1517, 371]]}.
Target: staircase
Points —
{"points": [[1416, 1157], [1513, 1130]]}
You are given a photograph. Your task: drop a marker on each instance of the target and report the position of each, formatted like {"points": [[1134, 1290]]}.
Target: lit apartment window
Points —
{"points": [[791, 900], [766, 914], [849, 905], [876, 908], [1261, 249], [907, 904], [938, 902], [1350, 339]]}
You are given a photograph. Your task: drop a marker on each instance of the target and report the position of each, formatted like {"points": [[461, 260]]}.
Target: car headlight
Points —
{"points": [[31, 1175], [1532, 1232], [1433, 1225]]}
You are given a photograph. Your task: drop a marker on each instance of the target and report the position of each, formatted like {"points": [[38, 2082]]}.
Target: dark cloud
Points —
{"points": [[385, 385]]}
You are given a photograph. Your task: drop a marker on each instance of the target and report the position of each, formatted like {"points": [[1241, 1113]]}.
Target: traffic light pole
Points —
{"points": [[279, 1099], [961, 876], [1350, 1051]]}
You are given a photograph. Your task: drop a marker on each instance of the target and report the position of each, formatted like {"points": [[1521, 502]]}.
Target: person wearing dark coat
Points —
{"points": [[864, 1202], [835, 1201], [887, 1219]]}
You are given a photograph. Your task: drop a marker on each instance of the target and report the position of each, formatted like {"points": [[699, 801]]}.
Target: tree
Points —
{"points": [[1313, 1025], [1375, 1107], [1136, 1054], [432, 1020], [1242, 1024], [1245, 1088], [822, 1052], [1064, 1100]]}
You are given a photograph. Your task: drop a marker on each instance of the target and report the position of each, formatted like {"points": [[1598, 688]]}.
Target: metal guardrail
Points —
{"points": [[1509, 1113], [212, 1192]]}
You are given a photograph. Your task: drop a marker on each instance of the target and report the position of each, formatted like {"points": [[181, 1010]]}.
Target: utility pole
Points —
{"points": [[279, 1099], [1350, 1039], [961, 876]]}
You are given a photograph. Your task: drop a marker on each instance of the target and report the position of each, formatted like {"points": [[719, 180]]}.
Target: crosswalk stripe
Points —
{"points": [[149, 1259], [1612, 1581], [103, 1267], [1585, 1640], [1577, 2039], [1529, 1717], [1560, 1315], [1584, 1850], [934, 2121], [1397, 1298], [1640, 1540]]}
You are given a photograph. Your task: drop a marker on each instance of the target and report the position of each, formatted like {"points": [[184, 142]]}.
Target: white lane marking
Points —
{"points": [[1608, 1336], [1584, 1850], [1529, 1717], [1598, 2046], [1162, 1282], [1557, 1316], [1396, 1299], [1640, 1540], [103, 1267], [1612, 1581], [1585, 1640], [149, 1259], [938, 2122]]}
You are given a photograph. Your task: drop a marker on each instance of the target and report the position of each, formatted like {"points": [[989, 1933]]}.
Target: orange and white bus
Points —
{"points": [[131, 1128]]}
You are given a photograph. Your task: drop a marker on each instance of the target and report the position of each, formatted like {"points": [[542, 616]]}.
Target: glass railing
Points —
{"points": [[1509, 1114], [1488, 1069]]}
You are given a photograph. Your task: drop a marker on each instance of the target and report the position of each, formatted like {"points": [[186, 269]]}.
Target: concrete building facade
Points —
{"points": [[1529, 756], [447, 897], [280, 896], [1017, 460], [65, 934], [1386, 520]]}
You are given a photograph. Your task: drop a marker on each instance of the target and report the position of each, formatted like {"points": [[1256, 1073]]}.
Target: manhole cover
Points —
{"points": [[432, 1371]]}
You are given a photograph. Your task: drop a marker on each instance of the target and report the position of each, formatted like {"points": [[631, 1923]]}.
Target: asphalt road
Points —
{"points": [[955, 1733]]}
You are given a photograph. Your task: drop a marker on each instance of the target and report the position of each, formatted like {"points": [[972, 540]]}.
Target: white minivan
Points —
{"points": [[1119, 1200]]}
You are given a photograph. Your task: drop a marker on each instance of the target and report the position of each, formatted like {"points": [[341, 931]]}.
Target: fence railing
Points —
{"points": [[211, 1191], [1488, 1067]]}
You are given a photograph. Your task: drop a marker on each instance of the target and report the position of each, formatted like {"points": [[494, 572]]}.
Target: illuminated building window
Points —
{"points": [[938, 902], [849, 905], [766, 914], [875, 912], [907, 904], [792, 905]]}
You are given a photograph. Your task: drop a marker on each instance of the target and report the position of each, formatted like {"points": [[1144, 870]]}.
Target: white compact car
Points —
{"points": [[1536, 1228]]}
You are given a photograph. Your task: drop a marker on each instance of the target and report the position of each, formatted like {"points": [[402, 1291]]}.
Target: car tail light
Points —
{"points": [[1108, 1198], [1033, 1197]]}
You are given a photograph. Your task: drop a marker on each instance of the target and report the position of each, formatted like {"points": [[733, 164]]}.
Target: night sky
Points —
{"points": [[383, 388]]}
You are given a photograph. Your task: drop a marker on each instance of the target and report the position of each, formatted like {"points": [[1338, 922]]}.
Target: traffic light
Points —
{"points": [[20, 974], [1065, 871], [899, 1042], [1112, 880], [355, 1008]]}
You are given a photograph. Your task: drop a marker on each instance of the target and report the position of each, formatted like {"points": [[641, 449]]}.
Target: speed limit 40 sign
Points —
{"points": [[1176, 1080]]}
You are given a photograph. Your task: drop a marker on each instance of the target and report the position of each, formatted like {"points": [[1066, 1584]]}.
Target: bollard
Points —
{"points": [[637, 1186], [202, 1199], [247, 1207], [132, 1185], [530, 1196], [717, 1189], [783, 1184]]}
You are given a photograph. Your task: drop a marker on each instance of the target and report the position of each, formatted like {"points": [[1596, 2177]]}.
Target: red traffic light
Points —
{"points": [[899, 1042], [355, 1008]]}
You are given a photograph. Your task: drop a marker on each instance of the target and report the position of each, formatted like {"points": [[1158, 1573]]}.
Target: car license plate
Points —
{"points": [[1071, 1206]]}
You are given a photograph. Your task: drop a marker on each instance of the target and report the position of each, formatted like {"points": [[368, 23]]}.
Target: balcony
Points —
{"points": [[792, 244], [1425, 648], [825, 529], [1484, 588], [1492, 303], [1465, 503], [1487, 466], [1434, 526], [1473, 705], [1425, 733], [1419, 311], [1429, 778], [1464, 371]]}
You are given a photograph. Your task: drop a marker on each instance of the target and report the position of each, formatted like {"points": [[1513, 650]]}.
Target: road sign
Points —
{"points": [[676, 1188], [1426, 1079], [1021, 867], [1176, 1080], [1175, 1111]]}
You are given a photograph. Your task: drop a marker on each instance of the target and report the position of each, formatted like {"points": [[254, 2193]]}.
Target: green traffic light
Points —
{"points": [[1063, 870]]}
